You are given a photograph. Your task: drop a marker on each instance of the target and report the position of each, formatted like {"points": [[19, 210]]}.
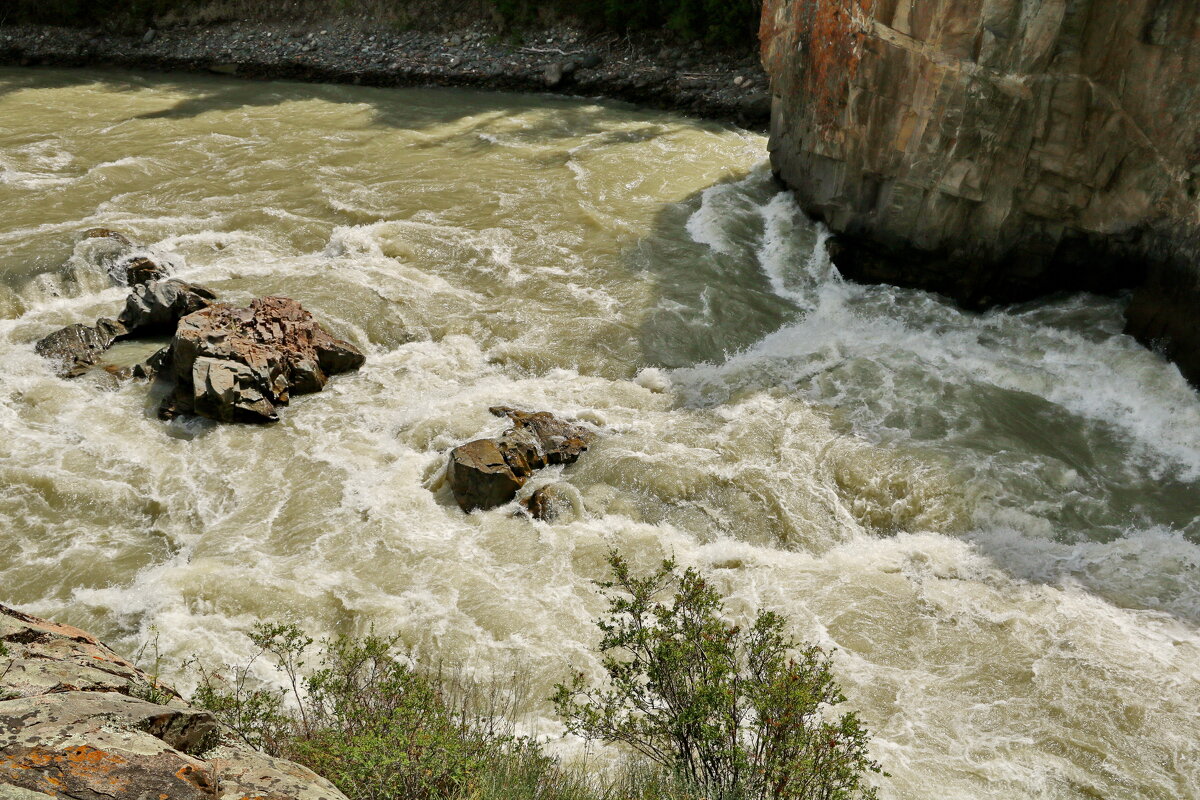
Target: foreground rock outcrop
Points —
{"points": [[996, 150], [487, 473], [78, 721]]}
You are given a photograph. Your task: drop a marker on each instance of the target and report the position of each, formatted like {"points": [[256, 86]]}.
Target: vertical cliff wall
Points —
{"points": [[995, 150]]}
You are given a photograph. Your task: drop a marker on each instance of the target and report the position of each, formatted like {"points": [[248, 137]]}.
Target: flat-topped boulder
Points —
{"points": [[241, 364], [78, 720], [486, 473]]}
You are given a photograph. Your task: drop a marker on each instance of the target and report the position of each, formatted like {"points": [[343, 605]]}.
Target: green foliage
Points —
{"points": [[738, 714], [153, 691], [377, 728]]}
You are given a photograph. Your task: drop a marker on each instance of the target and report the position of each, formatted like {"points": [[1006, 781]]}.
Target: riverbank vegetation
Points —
{"points": [[726, 23], [706, 710]]}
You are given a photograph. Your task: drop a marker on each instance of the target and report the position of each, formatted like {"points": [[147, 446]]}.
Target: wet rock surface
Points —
{"points": [[73, 724], [487, 473], [77, 348], [641, 68], [156, 307], [547, 503], [240, 364], [225, 363], [998, 150]]}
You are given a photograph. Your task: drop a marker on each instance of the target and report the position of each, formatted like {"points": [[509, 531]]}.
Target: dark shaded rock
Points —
{"points": [[157, 307], [143, 270], [488, 472], [546, 504], [77, 348], [159, 361], [73, 724], [590, 61], [239, 364]]}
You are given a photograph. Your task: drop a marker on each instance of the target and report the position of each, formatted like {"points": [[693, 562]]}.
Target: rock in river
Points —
{"points": [[487, 473], [157, 306], [77, 348], [240, 364]]}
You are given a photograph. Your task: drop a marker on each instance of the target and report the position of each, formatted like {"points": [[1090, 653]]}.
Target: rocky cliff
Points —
{"points": [[78, 721], [996, 150]]}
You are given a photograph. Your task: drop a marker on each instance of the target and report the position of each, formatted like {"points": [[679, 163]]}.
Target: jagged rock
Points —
{"points": [[480, 477], [143, 270], [487, 473], [239, 364], [157, 307], [77, 348], [996, 150], [546, 504], [559, 442], [73, 724], [159, 361]]}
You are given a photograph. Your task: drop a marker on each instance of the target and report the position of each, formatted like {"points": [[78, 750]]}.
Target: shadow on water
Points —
{"points": [[1063, 494], [711, 301]]}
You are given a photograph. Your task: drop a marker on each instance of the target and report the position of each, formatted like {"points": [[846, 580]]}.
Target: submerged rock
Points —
{"points": [[77, 348], [157, 306], [240, 364], [143, 270], [487, 473], [546, 504], [78, 720], [106, 233]]}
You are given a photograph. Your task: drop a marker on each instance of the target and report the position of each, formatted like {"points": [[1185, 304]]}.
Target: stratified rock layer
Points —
{"points": [[995, 150], [73, 724]]}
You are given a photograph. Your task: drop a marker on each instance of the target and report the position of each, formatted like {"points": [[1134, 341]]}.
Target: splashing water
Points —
{"points": [[992, 518]]}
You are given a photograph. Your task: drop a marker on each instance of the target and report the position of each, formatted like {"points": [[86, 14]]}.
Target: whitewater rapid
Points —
{"points": [[992, 519]]}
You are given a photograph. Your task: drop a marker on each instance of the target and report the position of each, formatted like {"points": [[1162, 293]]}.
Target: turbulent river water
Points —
{"points": [[993, 519]]}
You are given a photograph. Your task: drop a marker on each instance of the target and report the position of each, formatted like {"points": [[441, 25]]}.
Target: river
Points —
{"points": [[992, 519]]}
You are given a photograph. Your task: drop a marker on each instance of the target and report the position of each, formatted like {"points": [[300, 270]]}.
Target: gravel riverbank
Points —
{"points": [[642, 69]]}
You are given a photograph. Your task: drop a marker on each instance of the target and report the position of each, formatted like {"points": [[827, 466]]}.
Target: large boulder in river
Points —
{"points": [[240, 364], [157, 306], [77, 348], [487, 473], [77, 720]]}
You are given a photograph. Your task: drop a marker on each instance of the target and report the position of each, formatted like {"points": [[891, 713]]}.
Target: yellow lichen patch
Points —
{"points": [[84, 765]]}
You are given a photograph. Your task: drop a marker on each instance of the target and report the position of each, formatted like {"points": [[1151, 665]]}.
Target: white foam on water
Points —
{"points": [[1013, 618]]}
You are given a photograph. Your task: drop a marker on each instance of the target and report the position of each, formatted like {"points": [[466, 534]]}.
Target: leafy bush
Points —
{"points": [[713, 711], [739, 714], [378, 729]]}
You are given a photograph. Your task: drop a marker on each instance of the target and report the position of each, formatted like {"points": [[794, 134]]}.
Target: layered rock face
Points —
{"points": [[79, 721], [996, 150]]}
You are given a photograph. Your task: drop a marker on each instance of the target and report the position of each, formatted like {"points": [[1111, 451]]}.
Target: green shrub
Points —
{"points": [[379, 729], [740, 714]]}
